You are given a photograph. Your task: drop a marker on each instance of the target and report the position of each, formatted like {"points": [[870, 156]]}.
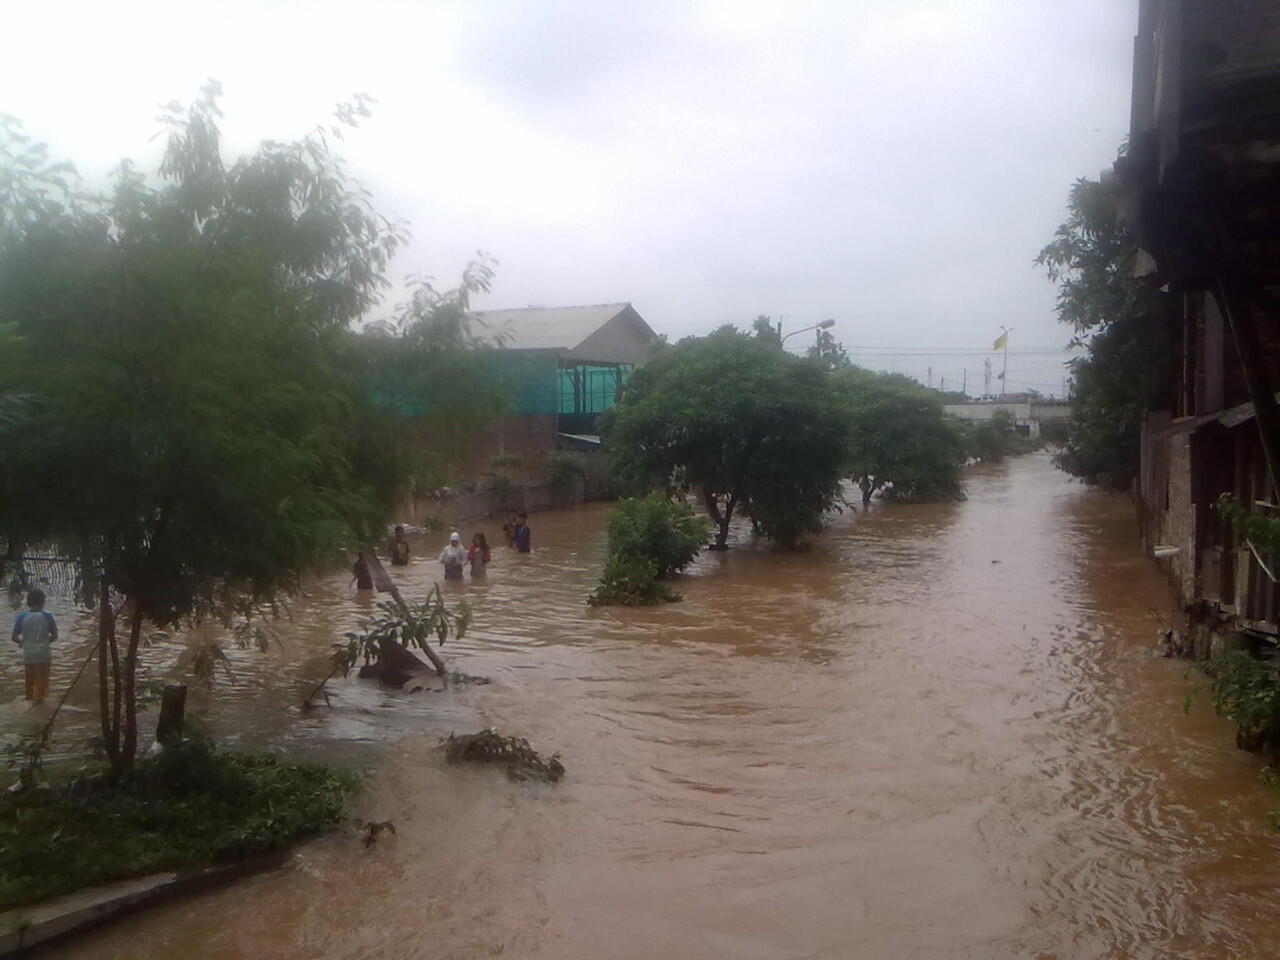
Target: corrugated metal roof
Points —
{"points": [[549, 328]]}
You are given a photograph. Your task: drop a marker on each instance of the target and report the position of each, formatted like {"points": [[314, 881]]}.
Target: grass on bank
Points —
{"points": [[188, 807]]}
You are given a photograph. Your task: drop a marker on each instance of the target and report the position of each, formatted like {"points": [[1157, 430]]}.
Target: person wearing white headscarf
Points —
{"points": [[453, 557]]}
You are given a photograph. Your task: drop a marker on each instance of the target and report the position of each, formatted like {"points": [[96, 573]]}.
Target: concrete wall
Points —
{"points": [[531, 437], [1050, 411], [979, 412], [1024, 413], [1165, 506], [1178, 523]]}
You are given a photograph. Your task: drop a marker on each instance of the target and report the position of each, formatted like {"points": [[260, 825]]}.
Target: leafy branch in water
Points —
{"points": [[413, 626], [522, 762]]}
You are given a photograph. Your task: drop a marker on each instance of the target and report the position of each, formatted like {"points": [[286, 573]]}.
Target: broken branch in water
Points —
{"points": [[398, 628], [522, 762]]}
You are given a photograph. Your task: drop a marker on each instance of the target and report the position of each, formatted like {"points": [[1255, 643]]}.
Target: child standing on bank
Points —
{"points": [[34, 630]]}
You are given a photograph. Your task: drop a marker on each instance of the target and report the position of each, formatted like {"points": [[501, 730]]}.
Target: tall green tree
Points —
{"points": [[899, 439], [749, 427], [1117, 317], [763, 327], [184, 342], [829, 351], [427, 385]]}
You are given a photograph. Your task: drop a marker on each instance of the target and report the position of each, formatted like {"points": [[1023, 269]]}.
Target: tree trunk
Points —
{"points": [[106, 648], [385, 584], [129, 748], [173, 708], [117, 702], [719, 518]]}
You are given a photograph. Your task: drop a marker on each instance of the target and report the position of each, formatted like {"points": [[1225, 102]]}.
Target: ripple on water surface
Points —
{"points": [[937, 734]]}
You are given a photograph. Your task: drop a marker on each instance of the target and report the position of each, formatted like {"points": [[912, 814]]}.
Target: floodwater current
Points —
{"points": [[942, 732]]}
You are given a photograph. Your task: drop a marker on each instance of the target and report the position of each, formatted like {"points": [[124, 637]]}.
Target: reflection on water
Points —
{"points": [[939, 734]]}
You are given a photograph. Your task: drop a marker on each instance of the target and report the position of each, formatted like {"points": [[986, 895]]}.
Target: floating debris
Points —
{"points": [[374, 827], [466, 679], [522, 762]]}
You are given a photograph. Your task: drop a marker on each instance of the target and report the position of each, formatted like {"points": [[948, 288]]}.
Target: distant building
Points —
{"points": [[1027, 414], [563, 367]]}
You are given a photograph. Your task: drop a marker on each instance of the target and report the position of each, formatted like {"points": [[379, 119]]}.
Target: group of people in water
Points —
{"points": [[35, 628], [455, 557]]}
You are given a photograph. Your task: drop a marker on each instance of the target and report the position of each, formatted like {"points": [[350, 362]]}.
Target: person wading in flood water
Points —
{"points": [[478, 556], [453, 557], [509, 530], [34, 630], [360, 575], [398, 548], [522, 538]]}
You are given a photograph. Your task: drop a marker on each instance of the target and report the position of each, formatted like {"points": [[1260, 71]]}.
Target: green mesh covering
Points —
{"points": [[530, 379], [590, 389], [535, 384]]}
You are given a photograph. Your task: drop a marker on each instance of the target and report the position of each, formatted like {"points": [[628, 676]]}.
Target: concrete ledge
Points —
{"points": [[24, 927]]}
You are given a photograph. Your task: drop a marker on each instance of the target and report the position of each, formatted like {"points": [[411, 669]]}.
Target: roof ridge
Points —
{"points": [[571, 306]]}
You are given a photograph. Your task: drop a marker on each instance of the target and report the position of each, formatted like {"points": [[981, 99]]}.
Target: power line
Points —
{"points": [[927, 352]]}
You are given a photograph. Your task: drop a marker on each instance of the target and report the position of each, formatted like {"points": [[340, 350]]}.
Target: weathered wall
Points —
{"points": [[1165, 504], [1179, 520], [527, 436]]}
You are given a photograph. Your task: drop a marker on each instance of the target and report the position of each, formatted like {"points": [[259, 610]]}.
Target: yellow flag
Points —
{"points": [[1001, 341]]}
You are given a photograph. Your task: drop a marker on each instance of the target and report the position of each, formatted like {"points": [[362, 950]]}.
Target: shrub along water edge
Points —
{"points": [[190, 806]]}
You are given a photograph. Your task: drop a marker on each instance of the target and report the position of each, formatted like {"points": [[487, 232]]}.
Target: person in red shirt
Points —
{"points": [[478, 556]]}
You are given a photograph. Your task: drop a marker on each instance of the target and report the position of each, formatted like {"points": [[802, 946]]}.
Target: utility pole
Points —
{"points": [[930, 378], [943, 385], [986, 376], [1004, 370], [964, 382]]}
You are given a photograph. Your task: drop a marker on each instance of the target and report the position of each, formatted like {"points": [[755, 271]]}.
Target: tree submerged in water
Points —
{"points": [[650, 539], [743, 424], [193, 406], [900, 442]]}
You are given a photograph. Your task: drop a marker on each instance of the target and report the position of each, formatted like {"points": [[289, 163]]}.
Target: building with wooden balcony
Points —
{"points": [[1201, 181]]}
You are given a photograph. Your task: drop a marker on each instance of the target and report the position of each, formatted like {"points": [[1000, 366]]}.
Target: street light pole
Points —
{"points": [[824, 325]]}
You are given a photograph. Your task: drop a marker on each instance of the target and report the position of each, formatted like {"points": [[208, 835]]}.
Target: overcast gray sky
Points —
{"points": [[892, 164]]}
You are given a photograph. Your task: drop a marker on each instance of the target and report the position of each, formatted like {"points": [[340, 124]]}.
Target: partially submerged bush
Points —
{"points": [[667, 534], [649, 539], [1246, 690], [521, 761], [631, 582], [188, 807]]}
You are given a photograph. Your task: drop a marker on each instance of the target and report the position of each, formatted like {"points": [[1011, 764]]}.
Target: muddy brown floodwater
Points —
{"points": [[941, 733]]}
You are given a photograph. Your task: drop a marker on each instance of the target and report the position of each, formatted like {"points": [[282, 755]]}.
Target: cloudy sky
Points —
{"points": [[890, 163]]}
